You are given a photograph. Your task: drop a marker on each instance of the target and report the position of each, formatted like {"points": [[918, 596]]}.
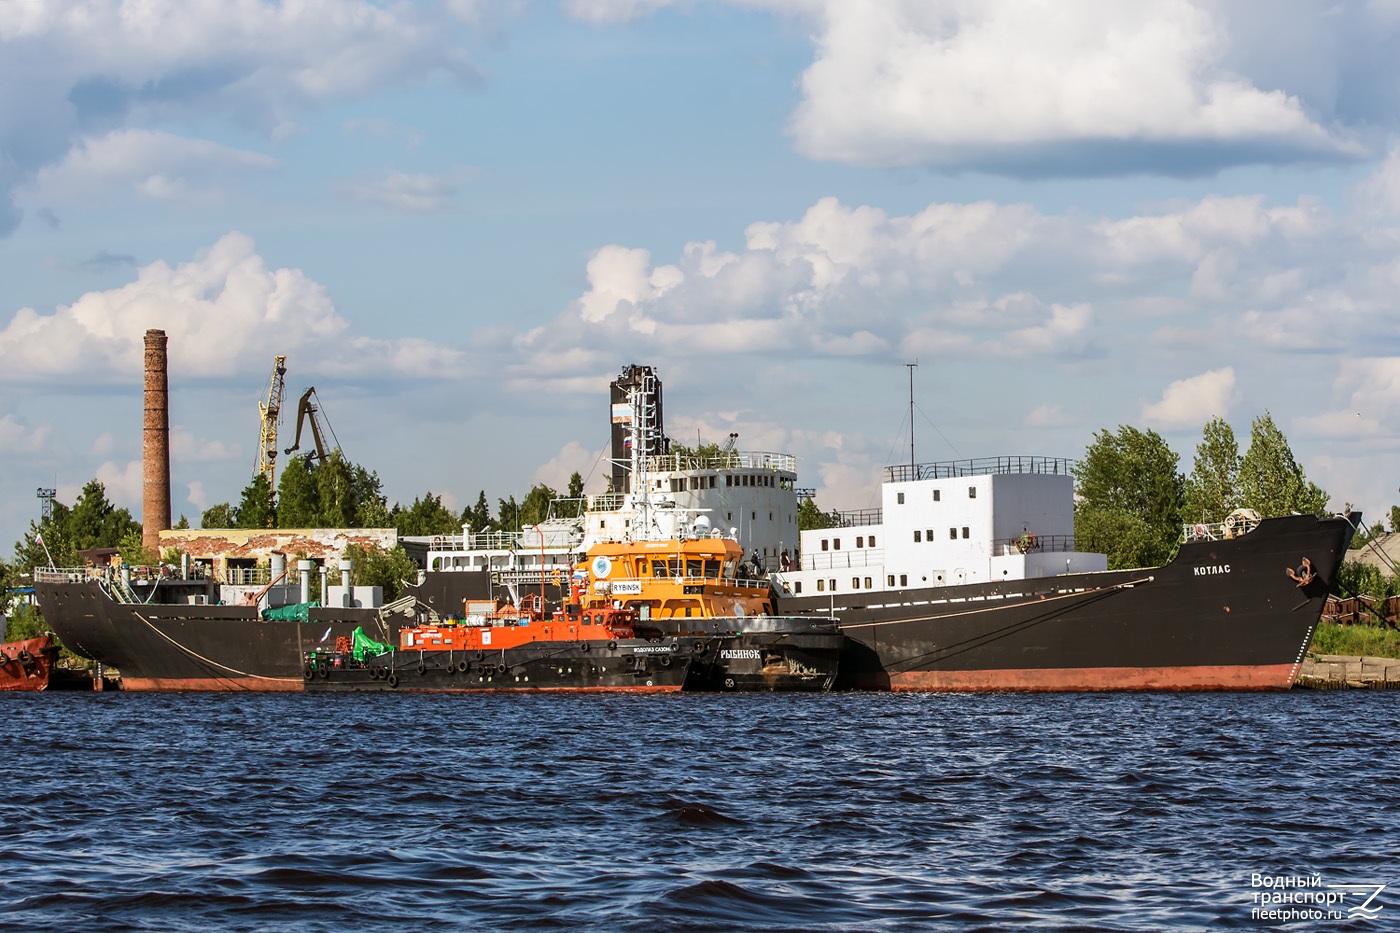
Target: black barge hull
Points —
{"points": [[1223, 615]]}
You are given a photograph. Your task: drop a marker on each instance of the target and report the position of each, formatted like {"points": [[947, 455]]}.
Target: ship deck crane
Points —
{"points": [[271, 416], [309, 411]]}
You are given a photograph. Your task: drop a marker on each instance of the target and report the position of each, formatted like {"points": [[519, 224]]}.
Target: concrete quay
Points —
{"points": [[1341, 672]]}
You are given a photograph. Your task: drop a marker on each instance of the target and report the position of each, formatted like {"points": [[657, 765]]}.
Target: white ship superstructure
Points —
{"points": [[948, 524], [751, 496]]}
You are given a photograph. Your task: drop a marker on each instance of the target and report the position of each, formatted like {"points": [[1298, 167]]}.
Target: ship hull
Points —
{"points": [[615, 666], [174, 647], [27, 665], [1223, 615]]}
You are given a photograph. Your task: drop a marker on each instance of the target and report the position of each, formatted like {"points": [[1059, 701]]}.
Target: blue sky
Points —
{"points": [[458, 220]]}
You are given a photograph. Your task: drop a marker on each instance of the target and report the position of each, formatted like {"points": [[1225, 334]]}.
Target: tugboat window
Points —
{"points": [[821, 586], [855, 583], [836, 544], [972, 492], [953, 534], [937, 495], [889, 581], [825, 544], [904, 579], [872, 540], [833, 584], [964, 531], [860, 542], [867, 583], [916, 536]]}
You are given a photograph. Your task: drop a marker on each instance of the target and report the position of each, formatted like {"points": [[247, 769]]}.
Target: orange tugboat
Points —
{"points": [[595, 649], [672, 606], [27, 664]]}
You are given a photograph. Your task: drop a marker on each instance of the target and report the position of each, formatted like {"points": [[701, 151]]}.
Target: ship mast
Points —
{"points": [[911, 366], [641, 397]]}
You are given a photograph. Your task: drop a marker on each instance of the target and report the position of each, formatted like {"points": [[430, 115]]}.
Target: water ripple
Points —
{"points": [[839, 813]]}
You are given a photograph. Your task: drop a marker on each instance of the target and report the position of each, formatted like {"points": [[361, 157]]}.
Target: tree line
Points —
{"points": [[1131, 501], [341, 494]]}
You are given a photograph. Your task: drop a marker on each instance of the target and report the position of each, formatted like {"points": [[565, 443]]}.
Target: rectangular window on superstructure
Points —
{"points": [[826, 545], [836, 544], [937, 495], [965, 531], [832, 583], [917, 536], [872, 540], [860, 542], [728, 480], [889, 581], [899, 498], [821, 586], [855, 583], [867, 583], [797, 587], [904, 579], [972, 492], [953, 534], [929, 535]]}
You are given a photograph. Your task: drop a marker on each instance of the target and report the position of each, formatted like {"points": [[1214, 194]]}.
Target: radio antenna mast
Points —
{"points": [[911, 416]]}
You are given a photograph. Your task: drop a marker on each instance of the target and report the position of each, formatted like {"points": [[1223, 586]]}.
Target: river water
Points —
{"points": [[861, 812]]}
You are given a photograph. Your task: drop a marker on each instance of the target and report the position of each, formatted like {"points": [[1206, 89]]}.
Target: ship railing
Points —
{"points": [[1027, 543], [1232, 527], [842, 560], [67, 574], [742, 581], [852, 518], [550, 575], [724, 460], [248, 576], [982, 466]]}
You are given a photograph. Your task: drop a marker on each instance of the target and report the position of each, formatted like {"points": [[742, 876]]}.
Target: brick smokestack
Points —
{"points": [[155, 504]]}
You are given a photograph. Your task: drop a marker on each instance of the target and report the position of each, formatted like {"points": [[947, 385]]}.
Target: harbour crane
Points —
{"points": [[271, 414], [309, 411]]}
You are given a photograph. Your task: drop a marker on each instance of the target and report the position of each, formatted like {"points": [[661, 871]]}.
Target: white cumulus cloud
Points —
{"points": [[225, 312], [1191, 402]]}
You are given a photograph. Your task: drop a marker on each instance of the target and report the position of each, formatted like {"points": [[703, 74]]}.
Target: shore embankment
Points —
{"points": [[1344, 671]]}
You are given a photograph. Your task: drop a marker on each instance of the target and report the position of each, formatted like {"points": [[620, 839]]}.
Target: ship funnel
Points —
{"points": [[155, 502]]}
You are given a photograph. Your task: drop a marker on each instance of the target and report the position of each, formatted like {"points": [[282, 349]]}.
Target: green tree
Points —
{"points": [[509, 513], [218, 516], [25, 621], [1211, 489], [1271, 481], [534, 508], [297, 502], [810, 517], [575, 491], [92, 522], [426, 516], [1129, 498], [478, 517], [133, 552], [375, 566], [95, 522], [258, 507]]}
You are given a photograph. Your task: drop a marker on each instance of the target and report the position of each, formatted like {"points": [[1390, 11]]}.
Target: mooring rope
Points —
{"points": [[194, 654]]}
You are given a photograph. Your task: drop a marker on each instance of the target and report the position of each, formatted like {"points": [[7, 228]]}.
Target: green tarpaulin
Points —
{"points": [[297, 612], [364, 646]]}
